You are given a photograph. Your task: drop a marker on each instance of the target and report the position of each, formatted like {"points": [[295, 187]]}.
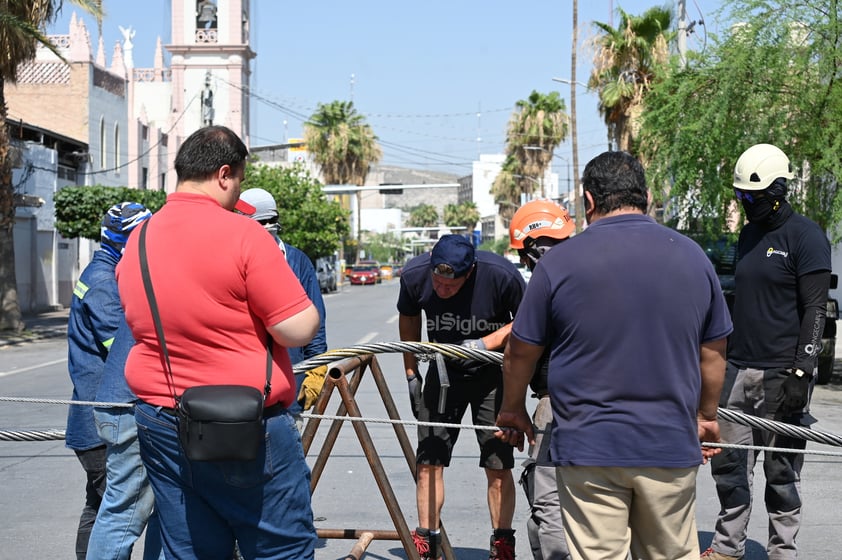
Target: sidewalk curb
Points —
{"points": [[44, 326]]}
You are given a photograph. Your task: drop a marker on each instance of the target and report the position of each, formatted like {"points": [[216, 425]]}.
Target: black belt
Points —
{"points": [[268, 412]]}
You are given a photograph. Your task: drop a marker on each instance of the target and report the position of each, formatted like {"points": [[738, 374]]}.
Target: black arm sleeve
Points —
{"points": [[812, 299]]}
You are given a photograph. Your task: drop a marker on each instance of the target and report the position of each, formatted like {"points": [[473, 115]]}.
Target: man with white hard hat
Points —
{"points": [[261, 207], [781, 283]]}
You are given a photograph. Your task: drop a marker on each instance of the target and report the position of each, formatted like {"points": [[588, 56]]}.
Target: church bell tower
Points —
{"points": [[211, 59]]}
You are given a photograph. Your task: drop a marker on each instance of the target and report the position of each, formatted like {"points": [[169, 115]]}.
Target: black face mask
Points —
{"points": [[534, 249], [760, 210], [764, 206]]}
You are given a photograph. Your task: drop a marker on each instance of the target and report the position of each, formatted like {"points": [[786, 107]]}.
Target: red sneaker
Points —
{"points": [[426, 549], [711, 554], [502, 547]]}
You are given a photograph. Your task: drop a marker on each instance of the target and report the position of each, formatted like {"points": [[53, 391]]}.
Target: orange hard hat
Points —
{"points": [[540, 218]]}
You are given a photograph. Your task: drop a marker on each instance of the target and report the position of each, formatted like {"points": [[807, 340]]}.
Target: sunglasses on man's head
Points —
{"points": [[748, 196], [444, 270]]}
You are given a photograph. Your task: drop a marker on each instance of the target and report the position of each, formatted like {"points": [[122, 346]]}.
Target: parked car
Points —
{"points": [[364, 274], [326, 273], [723, 254], [386, 272]]}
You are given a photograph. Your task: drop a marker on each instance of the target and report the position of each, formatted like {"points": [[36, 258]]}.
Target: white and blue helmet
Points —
{"points": [[118, 223]]}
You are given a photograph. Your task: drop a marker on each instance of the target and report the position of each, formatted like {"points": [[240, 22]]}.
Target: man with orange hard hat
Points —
{"points": [[537, 227]]}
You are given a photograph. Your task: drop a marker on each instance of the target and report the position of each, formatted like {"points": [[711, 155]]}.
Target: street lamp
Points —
{"points": [[534, 180], [578, 206], [566, 81]]}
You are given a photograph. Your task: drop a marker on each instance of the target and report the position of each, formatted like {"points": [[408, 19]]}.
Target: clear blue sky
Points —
{"points": [[422, 71]]}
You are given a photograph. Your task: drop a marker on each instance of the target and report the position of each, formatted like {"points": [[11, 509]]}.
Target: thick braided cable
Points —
{"points": [[779, 428], [425, 350]]}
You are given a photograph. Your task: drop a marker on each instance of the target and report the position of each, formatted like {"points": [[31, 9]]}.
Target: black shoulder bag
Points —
{"points": [[215, 422]]}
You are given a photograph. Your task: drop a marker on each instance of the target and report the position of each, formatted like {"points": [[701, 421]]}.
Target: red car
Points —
{"points": [[364, 274]]}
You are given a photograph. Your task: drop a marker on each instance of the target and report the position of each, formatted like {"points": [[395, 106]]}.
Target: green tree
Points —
{"points": [[79, 210], [507, 188], [423, 215], [499, 246], [772, 78], [537, 126], [383, 247], [307, 219], [626, 63], [461, 215], [21, 22], [341, 143]]}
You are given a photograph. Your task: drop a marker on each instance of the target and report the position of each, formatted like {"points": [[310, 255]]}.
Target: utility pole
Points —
{"points": [[577, 198]]}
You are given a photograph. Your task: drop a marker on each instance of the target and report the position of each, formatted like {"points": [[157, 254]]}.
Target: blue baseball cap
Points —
{"points": [[452, 256]]}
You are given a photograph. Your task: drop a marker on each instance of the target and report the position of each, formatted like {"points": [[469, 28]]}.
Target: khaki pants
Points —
{"points": [[611, 511]]}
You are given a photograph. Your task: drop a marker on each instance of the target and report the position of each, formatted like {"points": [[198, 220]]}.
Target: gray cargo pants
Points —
{"points": [[544, 526], [755, 392]]}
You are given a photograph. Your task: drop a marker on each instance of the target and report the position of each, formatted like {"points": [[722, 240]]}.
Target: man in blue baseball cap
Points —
{"points": [[468, 297]]}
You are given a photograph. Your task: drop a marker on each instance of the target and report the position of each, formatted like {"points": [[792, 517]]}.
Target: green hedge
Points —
{"points": [[79, 210]]}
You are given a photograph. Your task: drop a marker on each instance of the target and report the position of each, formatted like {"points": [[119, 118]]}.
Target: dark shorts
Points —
{"points": [[483, 393]]}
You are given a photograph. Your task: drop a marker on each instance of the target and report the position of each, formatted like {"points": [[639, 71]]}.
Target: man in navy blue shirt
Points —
{"points": [[636, 324], [468, 297]]}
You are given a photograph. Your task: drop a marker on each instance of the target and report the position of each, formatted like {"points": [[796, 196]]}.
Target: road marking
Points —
{"points": [[30, 368], [392, 320], [370, 336]]}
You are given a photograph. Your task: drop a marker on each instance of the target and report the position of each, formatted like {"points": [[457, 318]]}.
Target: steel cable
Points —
{"points": [[426, 351]]}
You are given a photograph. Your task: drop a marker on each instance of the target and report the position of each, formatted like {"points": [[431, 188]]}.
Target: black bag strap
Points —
{"points": [[159, 328]]}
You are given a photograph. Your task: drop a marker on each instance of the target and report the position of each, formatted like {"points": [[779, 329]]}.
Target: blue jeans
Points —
{"points": [[128, 501], [205, 505]]}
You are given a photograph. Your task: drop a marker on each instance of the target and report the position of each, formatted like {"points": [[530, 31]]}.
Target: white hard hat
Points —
{"points": [[263, 203], [759, 166]]}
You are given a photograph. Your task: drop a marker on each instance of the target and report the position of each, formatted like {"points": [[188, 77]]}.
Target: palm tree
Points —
{"points": [[342, 144], [423, 215], [626, 61], [464, 215], [21, 31], [507, 189], [537, 126]]}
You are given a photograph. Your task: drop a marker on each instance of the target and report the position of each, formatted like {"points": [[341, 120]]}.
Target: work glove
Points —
{"points": [[311, 387], [794, 390], [415, 393], [475, 343]]}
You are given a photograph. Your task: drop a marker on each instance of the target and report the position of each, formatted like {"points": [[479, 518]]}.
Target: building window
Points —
{"points": [[117, 148], [144, 178], [103, 159], [163, 181], [144, 131]]}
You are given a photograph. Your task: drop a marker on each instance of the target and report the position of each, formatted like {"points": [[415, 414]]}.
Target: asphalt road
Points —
{"points": [[42, 488]]}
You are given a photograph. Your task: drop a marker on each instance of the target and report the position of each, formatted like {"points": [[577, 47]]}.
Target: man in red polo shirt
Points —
{"points": [[222, 289]]}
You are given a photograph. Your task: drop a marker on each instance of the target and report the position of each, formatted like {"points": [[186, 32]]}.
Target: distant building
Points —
{"points": [[87, 122]]}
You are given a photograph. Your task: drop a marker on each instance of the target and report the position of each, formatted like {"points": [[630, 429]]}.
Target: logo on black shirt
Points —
{"points": [[464, 325]]}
